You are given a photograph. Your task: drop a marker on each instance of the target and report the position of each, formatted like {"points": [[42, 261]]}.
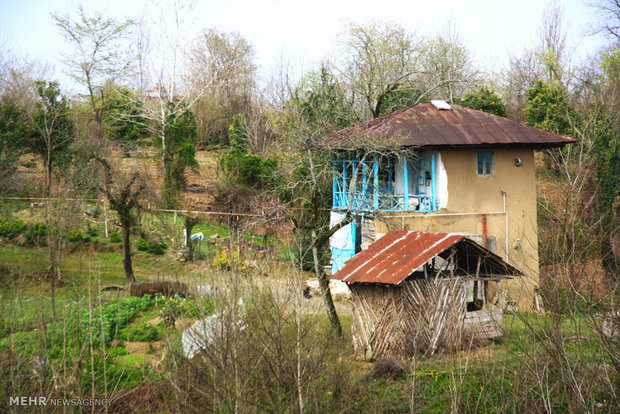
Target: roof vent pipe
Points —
{"points": [[441, 104]]}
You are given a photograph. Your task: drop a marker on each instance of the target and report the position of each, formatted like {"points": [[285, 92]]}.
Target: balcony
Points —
{"points": [[385, 185]]}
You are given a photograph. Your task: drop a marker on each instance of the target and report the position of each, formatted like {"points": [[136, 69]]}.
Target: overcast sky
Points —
{"points": [[305, 32]]}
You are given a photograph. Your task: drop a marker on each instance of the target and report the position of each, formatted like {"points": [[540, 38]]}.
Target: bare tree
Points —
{"points": [[549, 61], [385, 67], [99, 55], [277, 85], [168, 104], [17, 75], [224, 63], [125, 191], [553, 48], [447, 67], [609, 11], [378, 59]]}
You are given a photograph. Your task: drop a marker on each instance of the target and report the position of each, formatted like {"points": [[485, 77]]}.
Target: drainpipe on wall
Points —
{"points": [[334, 184], [354, 176], [484, 230], [433, 192], [345, 187], [506, 214], [406, 183], [375, 172]]}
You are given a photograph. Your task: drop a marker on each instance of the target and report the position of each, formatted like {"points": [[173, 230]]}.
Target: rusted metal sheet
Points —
{"points": [[423, 125], [397, 254], [393, 257]]}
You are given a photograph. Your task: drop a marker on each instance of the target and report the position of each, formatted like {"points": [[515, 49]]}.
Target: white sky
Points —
{"points": [[305, 32]]}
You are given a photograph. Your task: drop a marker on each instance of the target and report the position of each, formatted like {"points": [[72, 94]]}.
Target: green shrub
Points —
{"points": [[143, 332], [116, 315], [11, 229], [173, 308], [158, 247], [36, 233], [142, 244], [117, 351], [115, 237], [75, 236], [248, 169], [151, 246], [93, 232]]}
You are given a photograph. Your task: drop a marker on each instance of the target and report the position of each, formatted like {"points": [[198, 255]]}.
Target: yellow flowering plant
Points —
{"points": [[227, 259]]}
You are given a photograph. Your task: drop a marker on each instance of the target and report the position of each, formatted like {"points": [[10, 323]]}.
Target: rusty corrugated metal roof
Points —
{"points": [[423, 125], [397, 254]]}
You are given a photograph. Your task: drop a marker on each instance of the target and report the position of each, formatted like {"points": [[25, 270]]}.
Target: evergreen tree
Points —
{"points": [[15, 130], [547, 109], [484, 100], [53, 134], [123, 120]]}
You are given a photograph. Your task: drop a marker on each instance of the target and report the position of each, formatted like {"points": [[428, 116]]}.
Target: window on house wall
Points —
{"points": [[484, 162]]}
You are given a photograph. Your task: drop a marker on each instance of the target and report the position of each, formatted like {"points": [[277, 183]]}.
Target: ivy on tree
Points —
{"points": [[178, 152]]}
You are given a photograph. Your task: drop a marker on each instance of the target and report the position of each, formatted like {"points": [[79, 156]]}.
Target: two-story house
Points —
{"points": [[470, 172]]}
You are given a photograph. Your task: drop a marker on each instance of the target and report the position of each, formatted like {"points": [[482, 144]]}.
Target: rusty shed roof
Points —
{"points": [[397, 254], [423, 125]]}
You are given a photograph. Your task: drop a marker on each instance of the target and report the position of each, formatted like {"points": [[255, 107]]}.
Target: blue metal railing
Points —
{"points": [[368, 200], [369, 196]]}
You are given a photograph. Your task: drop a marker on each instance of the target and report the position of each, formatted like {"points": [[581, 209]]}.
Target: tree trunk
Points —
{"points": [[126, 228], [325, 292], [190, 222], [609, 260], [48, 176], [53, 293], [50, 242]]}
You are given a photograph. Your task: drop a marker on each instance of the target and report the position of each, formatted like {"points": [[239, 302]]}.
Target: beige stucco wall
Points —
{"points": [[470, 193]]}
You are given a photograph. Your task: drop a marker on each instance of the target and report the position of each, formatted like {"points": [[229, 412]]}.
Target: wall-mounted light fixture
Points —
{"points": [[518, 161], [517, 244]]}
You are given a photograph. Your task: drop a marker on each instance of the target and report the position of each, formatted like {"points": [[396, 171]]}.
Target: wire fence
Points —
{"points": [[206, 212]]}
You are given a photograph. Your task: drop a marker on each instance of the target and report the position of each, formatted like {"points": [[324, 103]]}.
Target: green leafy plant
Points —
{"points": [[248, 169], [11, 229], [173, 308], [143, 332], [115, 237], [93, 232], [484, 100], [152, 247], [116, 315]]}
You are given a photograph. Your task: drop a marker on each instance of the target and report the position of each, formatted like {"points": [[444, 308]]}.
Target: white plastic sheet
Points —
{"points": [[343, 238]]}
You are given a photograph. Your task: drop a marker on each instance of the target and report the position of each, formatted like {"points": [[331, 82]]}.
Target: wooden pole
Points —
{"points": [[105, 219]]}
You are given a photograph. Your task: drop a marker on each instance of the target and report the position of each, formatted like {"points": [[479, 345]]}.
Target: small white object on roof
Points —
{"points": [[441, 104], [197, 236]]}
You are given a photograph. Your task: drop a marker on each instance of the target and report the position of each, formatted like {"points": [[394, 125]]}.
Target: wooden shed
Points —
{"points": [[417, 292]]}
